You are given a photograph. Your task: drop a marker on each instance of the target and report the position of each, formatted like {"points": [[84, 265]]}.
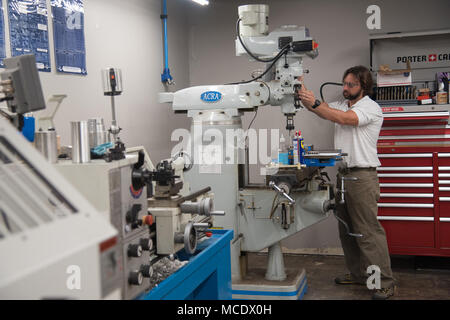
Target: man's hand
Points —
{"points": [[307, 97]]}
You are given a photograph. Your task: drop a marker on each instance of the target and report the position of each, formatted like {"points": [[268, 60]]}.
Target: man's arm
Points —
{"points": [[324, 111], [348, 118]]}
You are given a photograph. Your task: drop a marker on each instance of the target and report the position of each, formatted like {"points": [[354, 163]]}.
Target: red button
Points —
{"points": [[148, 220]]}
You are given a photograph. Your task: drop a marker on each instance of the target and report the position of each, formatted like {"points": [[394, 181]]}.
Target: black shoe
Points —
{"points": [[384, 293], [347, 279]]}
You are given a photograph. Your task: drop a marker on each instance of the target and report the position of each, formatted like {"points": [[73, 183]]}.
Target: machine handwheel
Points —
{"points": [[190, 238]]}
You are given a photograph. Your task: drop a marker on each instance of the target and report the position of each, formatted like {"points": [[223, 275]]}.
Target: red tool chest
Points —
{"points": [[414, 206]]}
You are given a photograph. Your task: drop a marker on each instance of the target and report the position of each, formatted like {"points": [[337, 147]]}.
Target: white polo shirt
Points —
{"points": [[360, 143]]}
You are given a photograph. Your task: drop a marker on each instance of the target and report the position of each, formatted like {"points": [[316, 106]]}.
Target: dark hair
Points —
{"points": [[364, 77]]}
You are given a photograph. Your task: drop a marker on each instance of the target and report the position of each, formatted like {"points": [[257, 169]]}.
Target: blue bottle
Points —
{"points": [[301, 148], [28, 128], [291, 156], [296, 146]]}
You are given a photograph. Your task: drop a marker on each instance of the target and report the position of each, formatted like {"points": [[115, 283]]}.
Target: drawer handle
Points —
{"points": [[444, 155], [406, 155], [405, 218], [444, 188], [405, 175], [418, 114], [406, 168], [444, 199], [406, 185], [406, 195], [445, 219], [415, 137], [406, 205]]}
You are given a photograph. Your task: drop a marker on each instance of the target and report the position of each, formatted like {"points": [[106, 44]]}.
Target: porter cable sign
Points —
{"points": [[432, 57]]}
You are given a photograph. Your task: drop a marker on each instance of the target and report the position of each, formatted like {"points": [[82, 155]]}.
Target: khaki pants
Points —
{"points": [[360, 212]]}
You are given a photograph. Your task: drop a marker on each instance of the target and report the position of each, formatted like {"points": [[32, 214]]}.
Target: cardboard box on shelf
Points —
{"points": [[386, 77]]}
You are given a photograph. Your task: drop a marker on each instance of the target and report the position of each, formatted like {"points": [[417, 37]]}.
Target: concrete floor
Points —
{"points": [[419, 278]]}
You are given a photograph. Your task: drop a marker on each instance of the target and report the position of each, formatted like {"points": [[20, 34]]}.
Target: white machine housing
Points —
{"points": [[277, 88], [255, 20], [107, 186], [54, 244]]}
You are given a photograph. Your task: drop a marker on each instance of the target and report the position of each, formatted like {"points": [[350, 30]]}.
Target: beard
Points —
{"points": [[349, 96]]}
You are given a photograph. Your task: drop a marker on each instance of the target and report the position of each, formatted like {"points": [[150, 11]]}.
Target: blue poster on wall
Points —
{"points": [[28, 30], [2, 37], [68, 31]]}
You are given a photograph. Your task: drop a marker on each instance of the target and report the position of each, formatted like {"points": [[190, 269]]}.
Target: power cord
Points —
{"points": [[325, 84], [238, 31], [273, 60]]}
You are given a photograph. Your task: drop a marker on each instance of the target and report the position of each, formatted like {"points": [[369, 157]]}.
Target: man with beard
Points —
{"points": [[358, 121]]}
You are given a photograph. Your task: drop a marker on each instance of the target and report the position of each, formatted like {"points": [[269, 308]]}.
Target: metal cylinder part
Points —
{"points": [[275, 264], [46, 143], [81, 153], [203, 207], [316, 202], [97, 133]]}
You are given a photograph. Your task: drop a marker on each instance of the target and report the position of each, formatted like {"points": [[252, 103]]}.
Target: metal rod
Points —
{"points": [[113, 110], [166, 47], [196, 194]]}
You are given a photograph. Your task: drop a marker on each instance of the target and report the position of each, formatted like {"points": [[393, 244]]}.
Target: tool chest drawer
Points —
{"points": [[412, 132], [444, 207], [406, 209], [407, 198], [406, 160], [444, 232], [405, 187], [408, 232], [444, 159]]}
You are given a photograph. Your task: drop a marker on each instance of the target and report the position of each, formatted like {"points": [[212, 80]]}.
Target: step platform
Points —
{"points": [[254, 286]]}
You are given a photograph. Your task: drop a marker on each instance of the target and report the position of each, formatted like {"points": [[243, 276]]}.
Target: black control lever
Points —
{"points": [[325, 174], [140, 177], [163, 175]]}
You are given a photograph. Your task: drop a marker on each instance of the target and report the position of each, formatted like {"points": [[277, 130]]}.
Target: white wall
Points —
{"points": [[338, 26], [127, 35]]}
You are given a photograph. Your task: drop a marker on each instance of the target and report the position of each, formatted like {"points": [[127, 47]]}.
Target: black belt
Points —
{"points": [[362, 169], [354, 169]]}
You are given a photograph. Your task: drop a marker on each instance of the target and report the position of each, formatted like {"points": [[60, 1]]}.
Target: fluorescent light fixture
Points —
{"points": [[202, 2]]}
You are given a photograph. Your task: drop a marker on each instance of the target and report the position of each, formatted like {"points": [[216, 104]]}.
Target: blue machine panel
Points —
{"points": [[207, 276], [2, 37], [68, 31], [28, 29]]}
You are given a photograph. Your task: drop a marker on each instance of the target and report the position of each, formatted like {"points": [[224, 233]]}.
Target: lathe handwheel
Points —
{"points": [[190, 238]]}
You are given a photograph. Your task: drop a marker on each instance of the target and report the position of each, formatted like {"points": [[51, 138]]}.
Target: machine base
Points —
{"points": [[255, 287]]}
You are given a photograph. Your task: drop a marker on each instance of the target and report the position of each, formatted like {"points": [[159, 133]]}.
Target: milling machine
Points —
{"points": [[294, 197]]}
